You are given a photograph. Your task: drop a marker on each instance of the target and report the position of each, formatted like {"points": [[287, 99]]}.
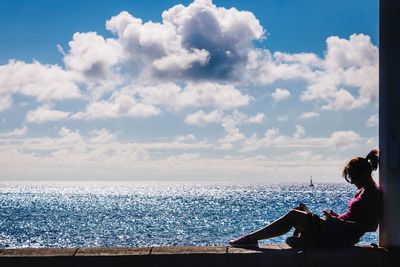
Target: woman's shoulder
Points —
{"points": [[372, 192]]}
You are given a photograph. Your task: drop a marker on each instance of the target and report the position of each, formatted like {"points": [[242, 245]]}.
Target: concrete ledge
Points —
{"points": [[38, 252], [275, 255], [112, 251], [188, 250], [271, 255], [368, 256]]}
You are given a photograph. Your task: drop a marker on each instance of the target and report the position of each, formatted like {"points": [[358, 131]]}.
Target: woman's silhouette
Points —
{"points": [[363, 214]]}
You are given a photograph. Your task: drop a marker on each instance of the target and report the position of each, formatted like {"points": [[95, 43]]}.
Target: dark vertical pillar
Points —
{"points": [[389, 120]]}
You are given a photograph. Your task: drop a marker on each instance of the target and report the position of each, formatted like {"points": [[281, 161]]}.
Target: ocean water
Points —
{"points": [[71, 214]]}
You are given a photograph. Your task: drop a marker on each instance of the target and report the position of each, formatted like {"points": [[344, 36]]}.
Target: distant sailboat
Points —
{"points": [[311, 183]]}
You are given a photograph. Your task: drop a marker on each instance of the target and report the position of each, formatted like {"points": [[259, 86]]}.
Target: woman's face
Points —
{"points": [[358, 179], [357, 183]]}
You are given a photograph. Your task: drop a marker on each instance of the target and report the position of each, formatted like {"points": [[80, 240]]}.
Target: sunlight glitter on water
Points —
{"points": [[70, 214]]}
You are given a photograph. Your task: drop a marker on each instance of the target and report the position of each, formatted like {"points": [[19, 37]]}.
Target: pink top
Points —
{"points": [[365, 208]]}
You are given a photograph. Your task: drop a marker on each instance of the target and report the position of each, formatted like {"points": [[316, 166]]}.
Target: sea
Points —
{"points": [[133, 214]]}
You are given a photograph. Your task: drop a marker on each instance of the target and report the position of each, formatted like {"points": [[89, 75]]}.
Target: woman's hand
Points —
{"points": [[330, 214]]}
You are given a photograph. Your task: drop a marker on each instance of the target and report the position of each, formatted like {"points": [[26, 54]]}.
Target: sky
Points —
{"points": [[267, 91]]}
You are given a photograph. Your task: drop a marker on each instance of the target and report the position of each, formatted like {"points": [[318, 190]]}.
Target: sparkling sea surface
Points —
{"points": [[72, 214]]}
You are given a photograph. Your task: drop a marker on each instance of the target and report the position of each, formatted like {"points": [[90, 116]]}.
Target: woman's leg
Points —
{"points": [[294, 218]]}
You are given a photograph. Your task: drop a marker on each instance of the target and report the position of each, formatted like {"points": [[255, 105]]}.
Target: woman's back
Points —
{"points": [[365, 208]]}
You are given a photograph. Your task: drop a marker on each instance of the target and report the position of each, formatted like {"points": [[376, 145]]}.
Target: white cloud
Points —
{"points": [[373, 120], [147, 101], [344, 139], [119, 105], [257, 119], [202, 118], [99, 146], [345, 79], [92, 55], [183, 158], [232, 134], [187, 43], [183, 61], [201, 47], [266, 68], [349, 64], [253, 143], [230, 124], [102, 136], [356, 52], [280, 94], [212, 95], [305, 59], [372, 142], [45, 114], [272, 138], [5, 102], [186, 138], [100, 152], [16, 133], [308, 115], [300, 132], [282, 118], [299, 155], [199, 57], [44, 82], [205, 94]]}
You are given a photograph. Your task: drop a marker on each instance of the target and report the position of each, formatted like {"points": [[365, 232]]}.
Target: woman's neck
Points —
{"points": [[370, 184]]}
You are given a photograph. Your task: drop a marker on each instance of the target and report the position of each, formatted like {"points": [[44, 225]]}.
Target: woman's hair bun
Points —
{"points": [[373, 158]]}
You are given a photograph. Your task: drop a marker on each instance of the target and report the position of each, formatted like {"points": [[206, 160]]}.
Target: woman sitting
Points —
{"points": [[363, 214]]}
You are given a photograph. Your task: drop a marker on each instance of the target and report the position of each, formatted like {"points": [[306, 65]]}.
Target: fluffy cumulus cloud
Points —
{"points": [[282, 118], [45, 114], [345, 78], [192, 43], [16, 133], [300, 155], [257, 119], [43, 82], [300, 132], [209, 94], [341, 140], [280, 94], [119, 105], [200, 63], [5, 102], [149, 100], [99, 145], [373, 120], [215, 95], [231, 124], [202, 50], [198, 41], [102, 136], [309, 115], [205, 94], [92, 55], [349, 78], [202, 118], [344, 139]]}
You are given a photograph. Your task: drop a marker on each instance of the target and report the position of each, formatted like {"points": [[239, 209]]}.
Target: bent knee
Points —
{"points": [[297, 213]]}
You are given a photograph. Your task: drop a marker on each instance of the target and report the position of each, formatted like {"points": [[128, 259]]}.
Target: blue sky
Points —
{"points": [[175, 90]]}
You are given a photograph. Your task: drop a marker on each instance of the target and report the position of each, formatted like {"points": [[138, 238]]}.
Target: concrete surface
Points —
{"points": [[270, 255]]}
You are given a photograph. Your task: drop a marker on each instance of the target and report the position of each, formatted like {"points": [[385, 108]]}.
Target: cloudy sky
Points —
{"points": [[178, 90]]}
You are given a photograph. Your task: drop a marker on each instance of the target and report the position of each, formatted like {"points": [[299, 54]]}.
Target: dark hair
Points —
{"points": [[358, 166]]}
